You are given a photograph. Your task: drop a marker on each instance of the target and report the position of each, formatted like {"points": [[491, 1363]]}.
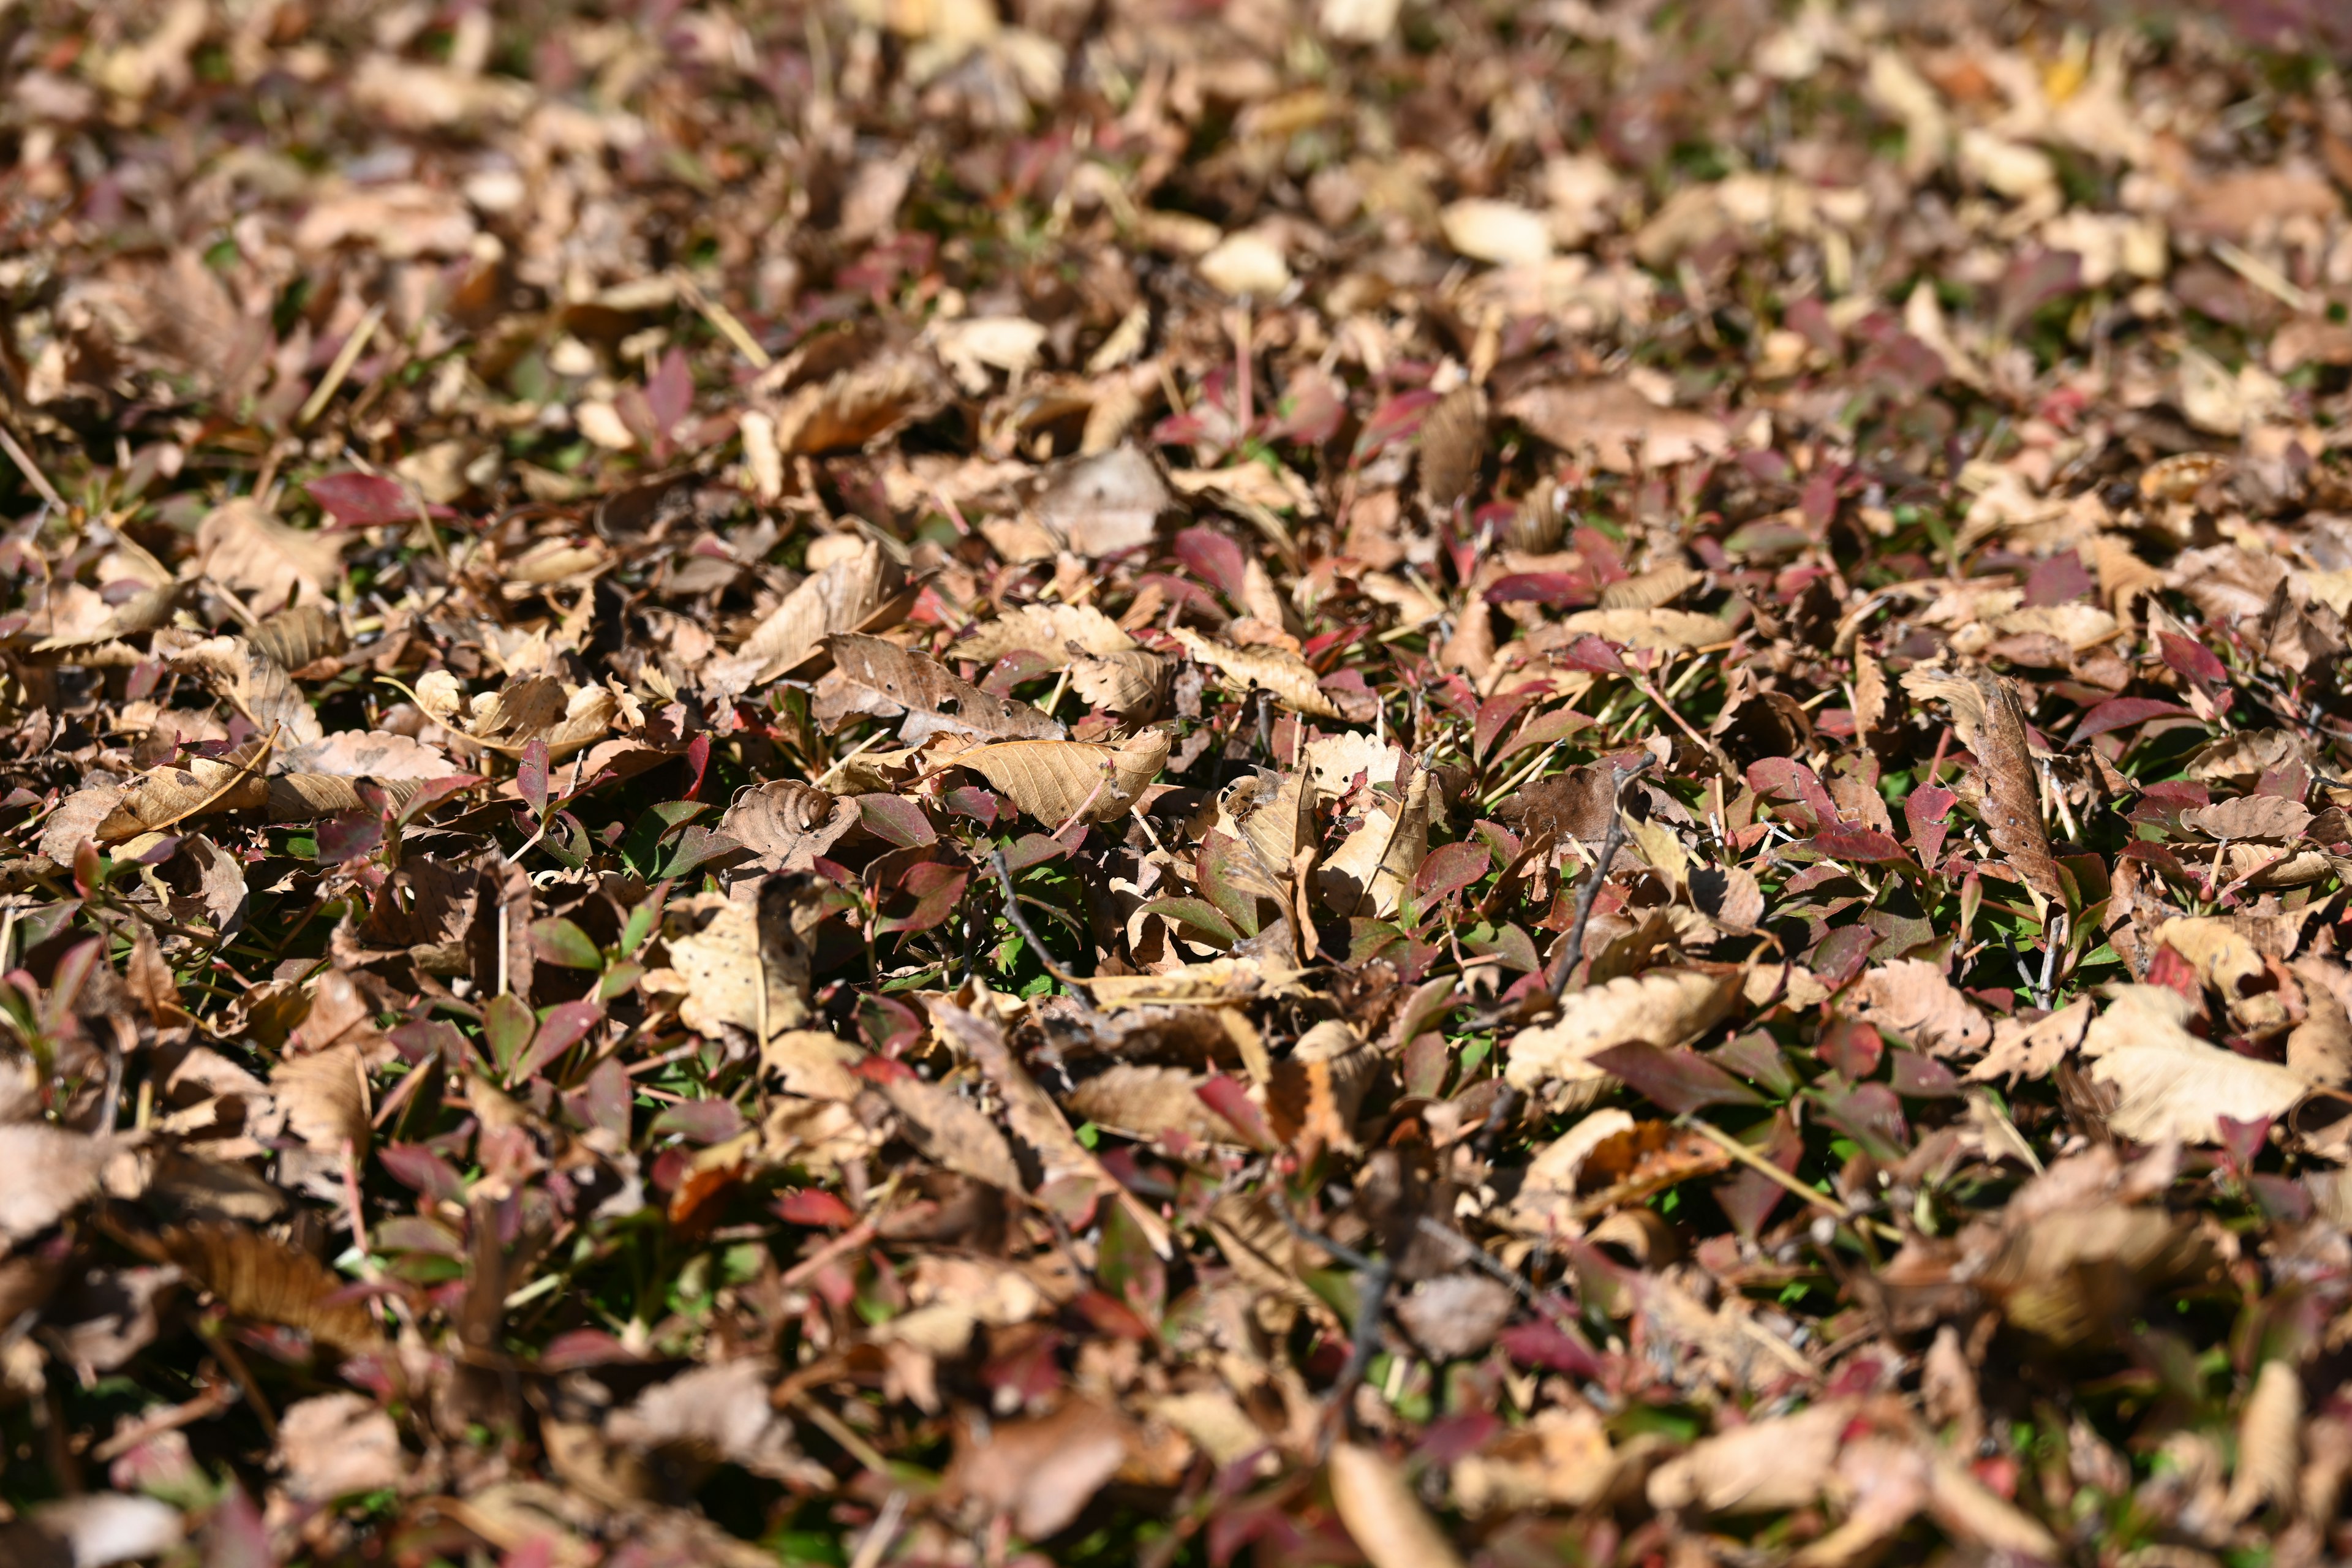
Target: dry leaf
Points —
{"points": [[2268, 1449], [268, 1281], [1284, 676], [1663, 631], [1910, 999], [1058, 782], [859, 593], [337, 1446], [1623, 429], [1388, 1524], [241, 546], [870, 675], [1042, 1473], [1986, 712], [787, 824], [1453, 447], [1047, 630], [2172, 1084], [1663, 1008]]}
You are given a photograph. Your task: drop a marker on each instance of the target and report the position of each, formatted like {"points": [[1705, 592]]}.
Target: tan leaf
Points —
{"points": [[257, 684], [1215, 1421], [1370, 870], [1625, 430], [787, 824], [1560, 1459], [2320, 1048], [2033, 1051], [954, 1132], [338, 1445], [1911, 999], [1662, 1007], [1650, 590], [1288, 678], [1986, 712], [241, 546], [45, 1174], [1314, 1092], [1047, 630], [1106, 504], [372, 754], [1377, 1505], [1042, 1473], [1131, 684], [77, 818], [859, 405], [324, 1097], [299, 636], [1764, 1467], [2172, 1084], [1037, 1121], [1453, 447], [2269, 1452], [162, 796], [1149, 1102], [1457, 1314], [720, 1413], [1665, 631], [1056, 780], [1501, 232], [260, 1277], [722, 969], [871, 676], [860, 593], [2250, 816], [1247, 264]]}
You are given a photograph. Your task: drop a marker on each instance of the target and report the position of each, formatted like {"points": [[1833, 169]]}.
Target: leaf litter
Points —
{"points": [[1361, 783]]}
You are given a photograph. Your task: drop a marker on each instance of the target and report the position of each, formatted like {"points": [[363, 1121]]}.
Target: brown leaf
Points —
{"points": [[268, 1281], [1057, 781], [859, 592], [1047, 630], [2033, 1050], [1453, 447], [1149, 1102], [1650, 590], [1911, 999], [1663, 1008], [241, 546], [1041, 1473], [1287, 677], [1388, 1524], [1623, 429], [787, 824], [871, 676], [337, 1446], [1986, 712]]}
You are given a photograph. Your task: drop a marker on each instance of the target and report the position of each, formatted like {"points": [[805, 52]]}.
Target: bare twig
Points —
{"points": [[1573, 949], [1021, 923]]}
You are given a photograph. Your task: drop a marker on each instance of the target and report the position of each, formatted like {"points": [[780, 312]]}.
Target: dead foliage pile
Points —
{"points": [[1295, 782]]}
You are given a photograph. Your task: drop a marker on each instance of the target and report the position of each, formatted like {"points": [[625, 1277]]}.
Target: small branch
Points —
{"points": [[1021, 923], [1613, 841]]}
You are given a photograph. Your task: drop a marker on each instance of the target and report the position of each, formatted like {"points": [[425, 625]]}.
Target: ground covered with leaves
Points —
{"points": [[1293, 783]]}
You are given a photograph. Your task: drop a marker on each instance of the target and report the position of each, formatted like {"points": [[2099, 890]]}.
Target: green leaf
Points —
{"points": [[1201, 920], [559, 941], [507, 1028]]}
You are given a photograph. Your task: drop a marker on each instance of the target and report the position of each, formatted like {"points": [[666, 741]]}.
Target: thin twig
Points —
{"points": [[1613, 842], [1021, 923]]}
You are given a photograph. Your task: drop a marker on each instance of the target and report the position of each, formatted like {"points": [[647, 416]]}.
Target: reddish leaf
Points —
{"points": [[1679, 1080]]}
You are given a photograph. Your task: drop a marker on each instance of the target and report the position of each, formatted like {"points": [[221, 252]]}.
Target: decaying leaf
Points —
{"points": [[2172, 1084], [1058, 782], [1663, 1008], [874, 677], [1381, 1512], [857, 593], [1285, 677]]}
